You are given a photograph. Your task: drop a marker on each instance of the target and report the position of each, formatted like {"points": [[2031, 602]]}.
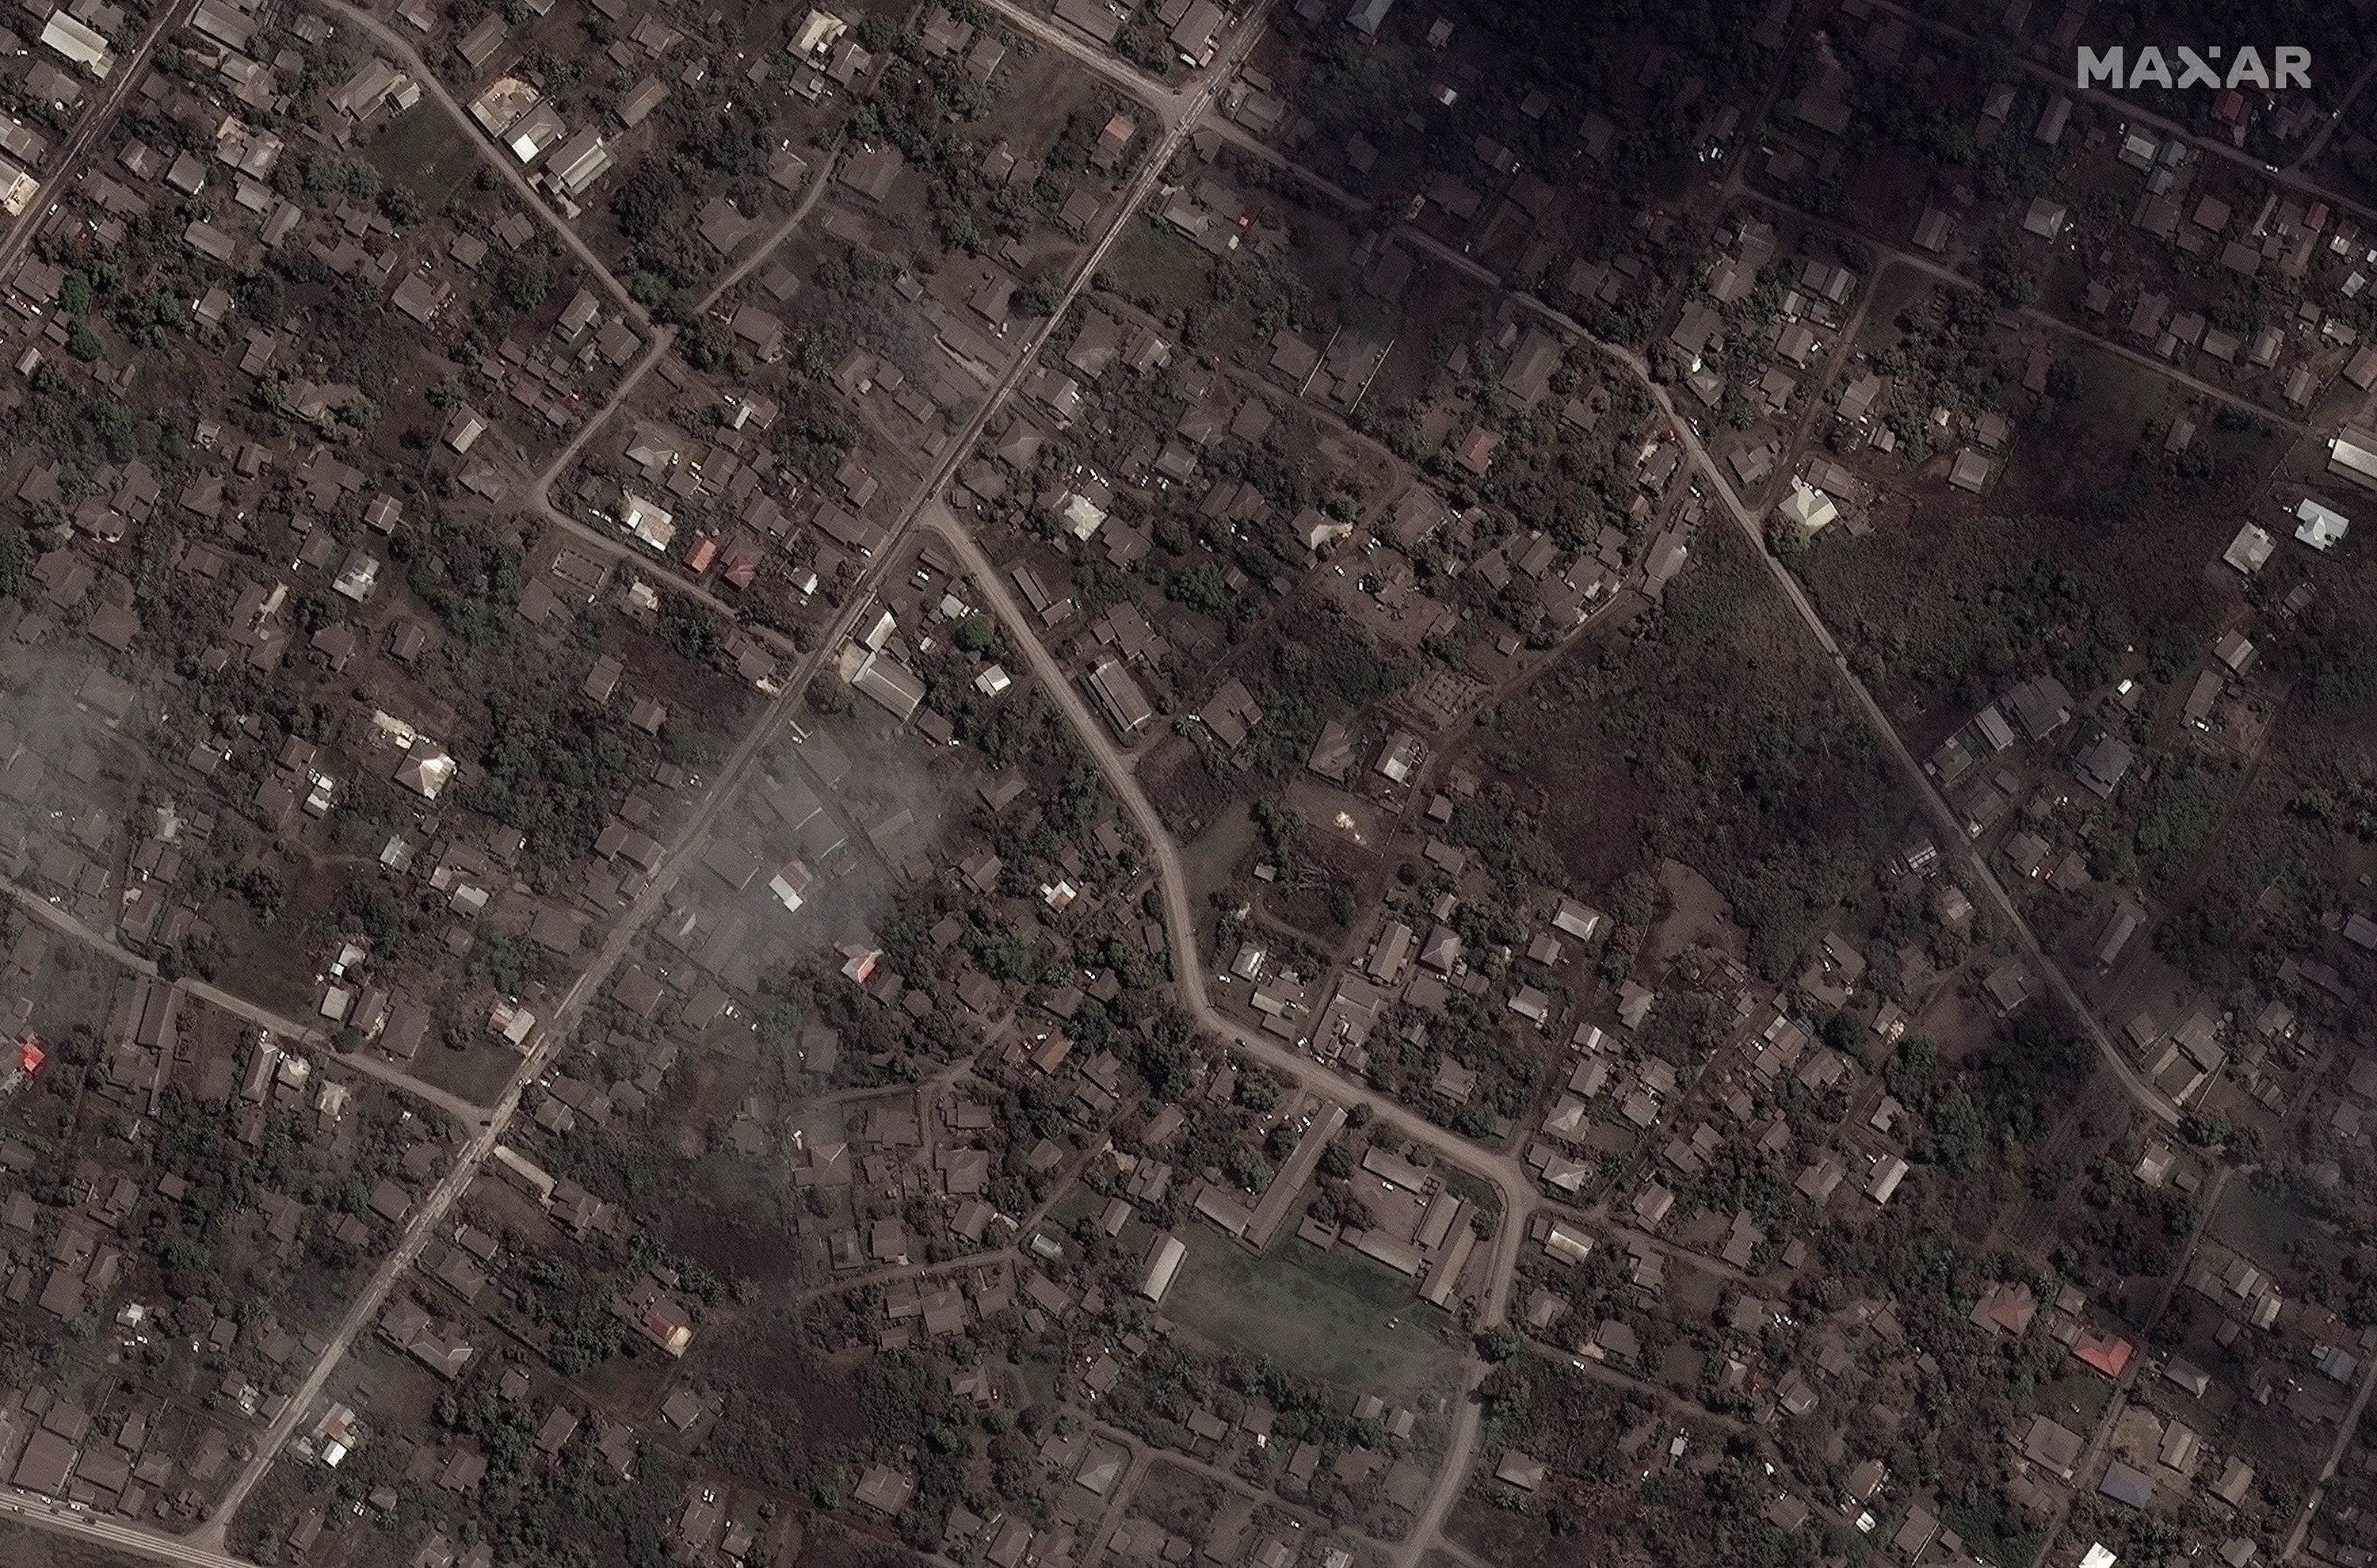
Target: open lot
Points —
{"points": [[22, 1548], [1336, 1315], [1713, 736], [423, 152], [2093, 545]]}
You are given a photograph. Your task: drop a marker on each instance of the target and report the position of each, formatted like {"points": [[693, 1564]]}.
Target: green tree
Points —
{"points": [[1202, 587], [686, 627], [1046, 293]]}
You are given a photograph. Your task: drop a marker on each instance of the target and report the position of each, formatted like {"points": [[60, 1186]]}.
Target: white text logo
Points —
{"points": [[2288, 65]]}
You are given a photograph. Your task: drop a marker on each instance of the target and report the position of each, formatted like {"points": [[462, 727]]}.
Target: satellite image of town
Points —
{"points": [[1187, 783]]}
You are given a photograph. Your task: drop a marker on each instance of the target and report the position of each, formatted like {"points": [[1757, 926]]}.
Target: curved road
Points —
{"points": [[615, 947], [540, 490], [665, 338], [1170, 104], [1503, 1171], [388, 39], [2312, 148], [2291, 178], [2148, 1098], [204, 1547]]}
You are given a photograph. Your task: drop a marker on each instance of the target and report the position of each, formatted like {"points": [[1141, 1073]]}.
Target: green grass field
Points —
{"points": [[1327, 1314], [2077, 1398], [1211, 857], [1155, 267], [423, 154], [2256, 1224], [478, 1073]]}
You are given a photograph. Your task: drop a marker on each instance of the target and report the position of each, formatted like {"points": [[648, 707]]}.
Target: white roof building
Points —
{"points": [[1580, 922], [530, 139], [2250, 551], [1807, 509], [2352, 453], [462, 431], [818, 30], [425, 771], [647, 520], [78, 43], [2319, 527], [791, 885], [1163, 1266], [1081, 517], [18, 189]]}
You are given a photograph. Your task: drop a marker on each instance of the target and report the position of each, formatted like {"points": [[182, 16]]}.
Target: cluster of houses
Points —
{"points": [[155, 1440]]}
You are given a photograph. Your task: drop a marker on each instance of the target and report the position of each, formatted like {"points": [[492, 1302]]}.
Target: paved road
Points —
{"points": [[1659, 1393], [643, 365], [2103, 1434], [1179, 111], [1231, 1481], [1888, 250], [1170, 104], [665, 338], [1517, 1189], [2145, 1094], [896, 1273], [1110, 1517], [616, 547], [2110, 1423], [1882, 247], [820, 179], [465, 1112], [1503, 1171], [2313, 148], [556, 1033], [398, 48], [2343, 1432], [2149, 1098], [613, 949], [1949, 824], [1154, 94], [1460, 1448], [40, 1512], [92, 125], [1460, 1554]]}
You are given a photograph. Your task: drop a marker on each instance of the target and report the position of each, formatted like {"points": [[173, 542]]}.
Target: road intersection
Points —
{"points": [[1179, 111]]}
